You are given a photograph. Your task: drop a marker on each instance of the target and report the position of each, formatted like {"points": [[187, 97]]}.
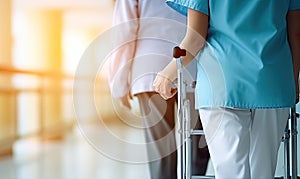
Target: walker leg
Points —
{"points": [[294, 133], [188, 167], [286, 141]]}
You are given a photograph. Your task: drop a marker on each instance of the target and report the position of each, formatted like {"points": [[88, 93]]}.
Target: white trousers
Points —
{"points": [[244, 143]]}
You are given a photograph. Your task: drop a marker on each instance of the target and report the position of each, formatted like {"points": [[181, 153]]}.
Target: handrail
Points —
{"points": [[41, 74], [6, 69], [40, 88]]}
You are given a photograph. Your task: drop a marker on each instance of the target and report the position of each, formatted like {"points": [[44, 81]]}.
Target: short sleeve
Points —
{"points": [[294, 5], [182, 6]]}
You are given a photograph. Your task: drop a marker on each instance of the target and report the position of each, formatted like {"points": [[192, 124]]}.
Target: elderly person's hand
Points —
{"points": [[163, 83], [124, 101], [164, 86]]}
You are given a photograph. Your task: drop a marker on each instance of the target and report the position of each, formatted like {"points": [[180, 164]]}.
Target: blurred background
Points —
{"points": [[41, 44], [41, 134]]}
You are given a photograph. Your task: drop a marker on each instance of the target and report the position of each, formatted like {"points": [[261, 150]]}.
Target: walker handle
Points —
{"points": [[178, 52]]}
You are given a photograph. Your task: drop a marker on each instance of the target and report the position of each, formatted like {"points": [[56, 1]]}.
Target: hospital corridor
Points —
{"points": [[57, 117]]}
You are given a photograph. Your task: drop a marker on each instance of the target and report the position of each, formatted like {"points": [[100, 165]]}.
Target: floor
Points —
{"points": [[74, 158], [91, 151]]}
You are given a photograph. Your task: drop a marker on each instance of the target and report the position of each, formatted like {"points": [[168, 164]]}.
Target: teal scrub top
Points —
{"points": [[247, 60]]}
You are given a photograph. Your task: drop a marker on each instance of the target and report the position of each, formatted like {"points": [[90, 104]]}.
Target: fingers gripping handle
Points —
{"points": [[178, 52]]}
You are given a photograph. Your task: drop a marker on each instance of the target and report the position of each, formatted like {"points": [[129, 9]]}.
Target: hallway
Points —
{"points": [[42, 45]]}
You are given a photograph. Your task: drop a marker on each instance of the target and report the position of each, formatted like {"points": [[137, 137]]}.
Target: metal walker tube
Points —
{"points": [[294, 133], [183, 114], [179, 118]]}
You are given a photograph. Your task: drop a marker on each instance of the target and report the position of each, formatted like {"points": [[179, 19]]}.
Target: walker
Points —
{"points": [[185, 131]]}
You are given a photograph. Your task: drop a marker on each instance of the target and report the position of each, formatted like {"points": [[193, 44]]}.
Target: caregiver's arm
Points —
{"points": [[195, 37], [193, 42]]}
